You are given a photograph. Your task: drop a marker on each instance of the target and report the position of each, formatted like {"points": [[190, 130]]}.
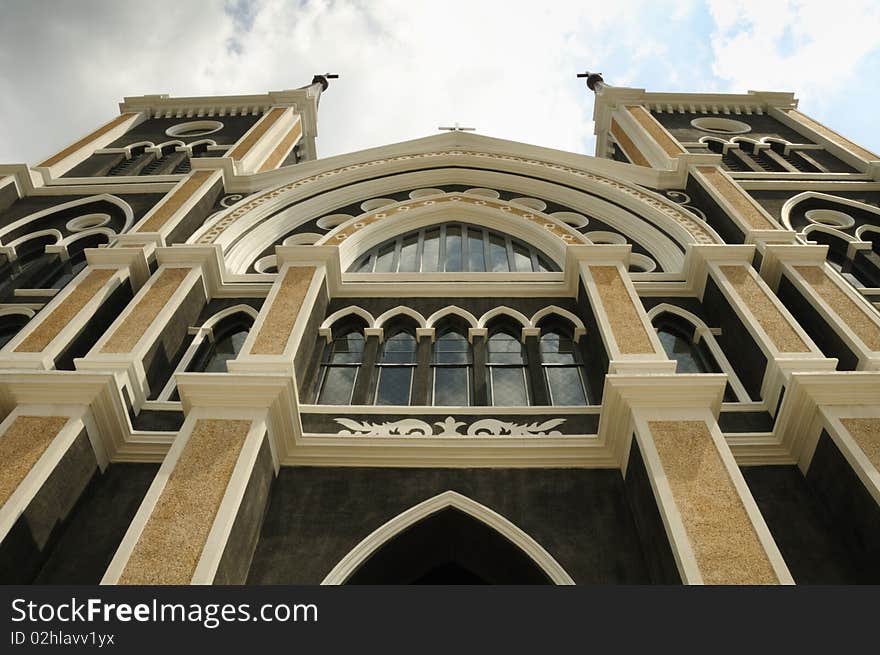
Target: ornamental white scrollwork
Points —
{"points": [[449, 427]]}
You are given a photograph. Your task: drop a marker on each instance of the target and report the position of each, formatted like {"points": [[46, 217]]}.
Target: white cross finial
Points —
{"points": [[457, 128]]}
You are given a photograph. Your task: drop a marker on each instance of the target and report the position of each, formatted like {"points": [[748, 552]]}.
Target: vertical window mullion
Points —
{"points": [[511, 260]]}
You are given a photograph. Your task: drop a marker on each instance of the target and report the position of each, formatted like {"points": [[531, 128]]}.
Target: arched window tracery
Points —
{"points": [[341, 365], [506, 361], [452, 248], [396, 369], [452, 366], [562, 366]]}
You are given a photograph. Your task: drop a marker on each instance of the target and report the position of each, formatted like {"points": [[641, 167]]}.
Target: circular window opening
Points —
{"points": [[573, 219], [331, 221], [603, 237], [302, 239], [531, 203], [830, 217], [194, 128], [485, 193], [267, 264], [87, 222], [719, 125], [424, 193], [641, 263], [376, 203]]}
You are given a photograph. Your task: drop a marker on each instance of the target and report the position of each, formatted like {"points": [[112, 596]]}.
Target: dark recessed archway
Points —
{"points": [[449, 547]]}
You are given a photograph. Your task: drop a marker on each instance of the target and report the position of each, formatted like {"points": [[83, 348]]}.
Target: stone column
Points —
{"points": [[823, 300], [684, 483], [181, 210], [154, 324], [478, 338], [48, 455], [736, 288], [629, 338], [75, 312], [200, 519], [422, 374], [61, 162]]}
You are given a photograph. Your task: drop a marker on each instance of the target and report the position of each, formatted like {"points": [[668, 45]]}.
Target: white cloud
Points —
{"points": [[506, 68]]}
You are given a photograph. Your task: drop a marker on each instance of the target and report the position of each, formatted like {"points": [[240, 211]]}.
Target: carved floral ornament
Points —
{"points": [[699, 232], [449, 427]]}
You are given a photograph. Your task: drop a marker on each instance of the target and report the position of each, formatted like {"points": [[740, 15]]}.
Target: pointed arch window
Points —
{"points": [[452, 369], [678, 342], [453, 248], [396, 369], [506, 361], [563, 369], [339, 370], [226, 346]]}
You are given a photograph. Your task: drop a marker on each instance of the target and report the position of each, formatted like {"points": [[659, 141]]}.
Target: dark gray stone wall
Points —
{"points": [[317, 515], [802, 527], [239, 551]]}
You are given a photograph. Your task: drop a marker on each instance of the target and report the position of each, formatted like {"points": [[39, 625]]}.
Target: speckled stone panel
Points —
{"points": [[172, 540], [629, 147], [174, 201], [831, 135], [144, 313], [866, 433], [54, 159], [745, 207], [722, 536], [669, 145], [849, 311], [64, 312], [256, 133], [626, 324], [275, 331], [280, 151], [23, 443], [769, 317]]}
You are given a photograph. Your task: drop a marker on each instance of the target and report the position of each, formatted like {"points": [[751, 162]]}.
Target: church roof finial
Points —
{"points": [[594, 81]]}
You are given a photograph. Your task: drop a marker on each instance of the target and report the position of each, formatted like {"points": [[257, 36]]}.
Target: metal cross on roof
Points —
{"points": [[457, 128]]}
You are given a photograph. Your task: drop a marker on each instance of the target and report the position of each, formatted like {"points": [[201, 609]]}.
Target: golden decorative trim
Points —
{"points": [[63, 313], [256, 133], [628, 146], [653, 127], [23, 443], [626, 323], [742, 203], [724, 541], [282, 149], [697, 230], [174, 200], [171, 543], [556, 228], [866, 433], [275, 331], [831, 135], [144, 313], [852, 313], [69, 150], [768, 315]]}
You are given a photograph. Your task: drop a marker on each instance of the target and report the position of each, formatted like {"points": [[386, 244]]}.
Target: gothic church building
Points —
{"points": [[456, 359]]}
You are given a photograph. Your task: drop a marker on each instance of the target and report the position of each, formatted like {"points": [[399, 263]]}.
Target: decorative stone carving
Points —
{"points": [[449, 427]]}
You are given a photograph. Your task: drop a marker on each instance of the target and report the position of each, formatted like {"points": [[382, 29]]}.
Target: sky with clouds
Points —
{"points": [[506, 68]]}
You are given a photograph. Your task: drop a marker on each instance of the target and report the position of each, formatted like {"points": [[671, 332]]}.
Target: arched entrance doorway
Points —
{"points": [[448, 539]]}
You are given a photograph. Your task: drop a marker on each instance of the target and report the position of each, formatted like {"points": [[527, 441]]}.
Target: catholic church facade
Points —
{"points": [[456, 359]]}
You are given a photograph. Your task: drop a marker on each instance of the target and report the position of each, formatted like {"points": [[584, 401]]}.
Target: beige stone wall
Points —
{"points": [[723, 539], [174, 201], [744, 206], [23, 443], [277, 155], [626, 143], [256, 133], [63, 313], [850, 312], [623, 315], [86, 140], [171, 543], [144, 313], [866, 433], [768, 315], [643, 117], [831, 135], [275, 330]]}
